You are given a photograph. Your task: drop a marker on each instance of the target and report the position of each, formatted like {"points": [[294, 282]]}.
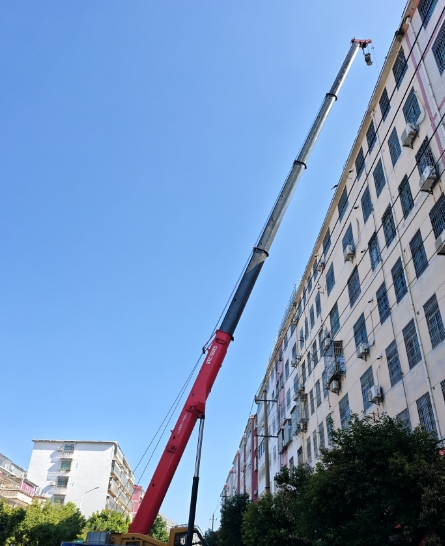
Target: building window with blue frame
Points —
{"points": [[418, 253], [426, 415], [312, 316], [411, 108], [425, 157], [314, 270], [384, 104], [426, 8], [348, 238], [345, 412], [306, 329], [354, 288], [398, 280], [309, 284], [315, 353], [343, 203], [400, 67], [393, 360], [437, 216], [406, 197], [366, 204], [404, 418], [318, 304], [326, 242], [366, 381], [434, 321], [439, 49], [360, 163], [374, 251], [330, 279], [389, 227], [371, 136], [383, 303], [412, 344], [301, 338], [394, 146], [334, 319], [379, 178], [360, 333]]}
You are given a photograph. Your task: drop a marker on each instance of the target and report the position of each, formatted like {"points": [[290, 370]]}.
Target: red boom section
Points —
{"points": [[194, 408]]}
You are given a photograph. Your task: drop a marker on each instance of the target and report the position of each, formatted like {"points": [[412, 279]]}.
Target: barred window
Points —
{"points": [[345, 412], [442, 386], [309, 363], [404, 418], [418, 253], [312, 401], [394, 368], [384, 104], [326, 242], [318, 392], [306, 328], [434, 321], [315, 353], [309, 450], [312, 315], [426, 415], [389, 228], [437, 216], [296, 386], [394, 146], [343, 203], [360, 333], [325, 388], [286, 369], [321, 434], [304, 295], [400, 67], [314, 270], [439, 49], [366, 204], [383, 303], [354, 288], [412, 344], [303, 372], [320, 342], [309, 284], [374, 251], [330, 279], [334, 319], [292, 327], [371, 136], [315, 442], [398, 279], [294, 351], [379, 178], [348, 238], [411, 108], [366, 381], [406, 197], [425, 157], [318, 304], [288, 399], [301, 338], [360, 163], [426, 8]]}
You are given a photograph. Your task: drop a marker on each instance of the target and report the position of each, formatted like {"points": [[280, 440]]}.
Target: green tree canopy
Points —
{"points": [[10, 519], [111, 521], [211, 537], [159, 529], [231, 520]]}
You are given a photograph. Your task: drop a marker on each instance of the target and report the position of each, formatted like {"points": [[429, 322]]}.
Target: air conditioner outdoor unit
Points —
{"points": [[349, 253], [303, 425], [294, 320], [409, 134], [60, 449], [326, 343], [334, 386], [375, 394], [52, 484], [363, 351], [320, 266], [294, 362], [428, 178], [440, 244]]}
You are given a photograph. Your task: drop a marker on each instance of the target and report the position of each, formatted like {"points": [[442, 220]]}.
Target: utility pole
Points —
{"points": [[266, 445], [213, 520]]}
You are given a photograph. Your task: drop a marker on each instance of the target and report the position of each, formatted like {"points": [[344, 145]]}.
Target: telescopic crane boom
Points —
{"points": [[194, 407]]}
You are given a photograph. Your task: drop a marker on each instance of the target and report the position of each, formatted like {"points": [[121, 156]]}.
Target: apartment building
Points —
{"points": [[363, 331], [92, 474], [15, 487]]}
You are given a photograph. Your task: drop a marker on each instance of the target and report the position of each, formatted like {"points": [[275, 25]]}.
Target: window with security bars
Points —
{"points": [[360, 163], [418, 253], [379, 178], [288, 399], [437, 216], [367, 381], [330, 279], [389, 227], [442, 386], [312, 316], [406, 197], [318, 392], [360, 333], [398, 280], [309, 450], [404, 418], [301, 338], [326, 242], [286, 369], [292, 327], [324, 381], [343, 203], [320, 342], [315, 353], [412, 344], [426, 415], [394, 146], [384, 104], [434, 321], [411, 108], [303, 372], [393, 360], [348, 238], [424, 156], [321, 434], [439, 49], [374, 251], [383, 303], [334, 319], [315, 443], [318, 304], [354, 288], [330, 426], [314, 270], [309, 284], [62, 482], [371, 136], [426, 8], [366, 204], [304, 295], [296, 384], [312, 401], [309, 363], [400, 67], [306, 328], [345, 412]]}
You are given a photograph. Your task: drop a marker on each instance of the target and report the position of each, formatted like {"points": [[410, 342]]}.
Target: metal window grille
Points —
{"points": [[406, 197], [437, 216], [426, 8], [400, 67], [394, 146], [374, 251], [338, 349], [303, 372], [366, 381], [321, 434], [348, 238], [383, 303], [315, 443], [286, 369], [309, 363], [330, 279], [345, 412], [334, 320], [306, 328], [309, 450], [424, 156], [343, 203], [411, 344], [418, 253], [292, 327], [360, 163], [318, 392], [398, 279], [384, 104], [324, 381], [314, 270], [434, 321], [405, 420], [299, 308], [379, 178], [425, 411], [285, 341], [442, 386], [366, 204], [411, 108], [309, 284], [301, 338], [326, 242], [311, 397], [320, 342], [312, 315], [371, 136], [394, 368], [354, 288], [389, 228], [315, 353], [294, 351], [288, 399], [296, 384], [439, 49], [318, 304], [360, 333]]}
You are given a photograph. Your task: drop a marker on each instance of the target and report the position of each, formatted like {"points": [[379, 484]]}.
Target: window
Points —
{"points": [[345, 413], [324, 380], [366, 204], [318, 392], [403, 417], [286, 369], [384, 104], [426, 8], [315, 442], [442, 386], [411, 344], [309, 284], [379, 178], [418, 253], [65, 464], [371, 136], [383, 303], [439, 49], [309, 363], [334, 320], [374, 251], [360, 333], [330, 426], [398, 279], [303, 372], [62, 481], [59, 499], [320, 341], [394, 146], [389, 228], [321, 434], [434, 321], [330, 279], [311, 398], [437, 216], [292, 327], [306, 328], [314, 270], [406, 197], [68, 448], [425, 411], [425, 157], [294, 350], [348, 238], [318, 304], [288, 399], [366, 381], [326, 242], [400, 67], [343, 203], [392, 357], [312, 316], [314, 353], [411, 108], [285, 341], [304, 295], [360, 162], [309, 450], [301, 338], [354, 288]]}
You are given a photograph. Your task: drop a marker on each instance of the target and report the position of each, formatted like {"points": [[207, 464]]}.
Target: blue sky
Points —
{"points": [[142, 145]]}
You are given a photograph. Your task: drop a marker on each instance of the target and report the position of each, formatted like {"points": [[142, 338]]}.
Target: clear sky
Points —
{"points": [[142, 144]]}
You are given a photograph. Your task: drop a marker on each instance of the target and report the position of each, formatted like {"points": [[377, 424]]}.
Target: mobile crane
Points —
{"points": [[194, 407]]}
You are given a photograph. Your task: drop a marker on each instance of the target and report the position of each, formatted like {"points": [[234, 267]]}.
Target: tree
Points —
{"points": [[111, 521], [10, 519], [159, 529], [232, 511], [211, 537]]}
